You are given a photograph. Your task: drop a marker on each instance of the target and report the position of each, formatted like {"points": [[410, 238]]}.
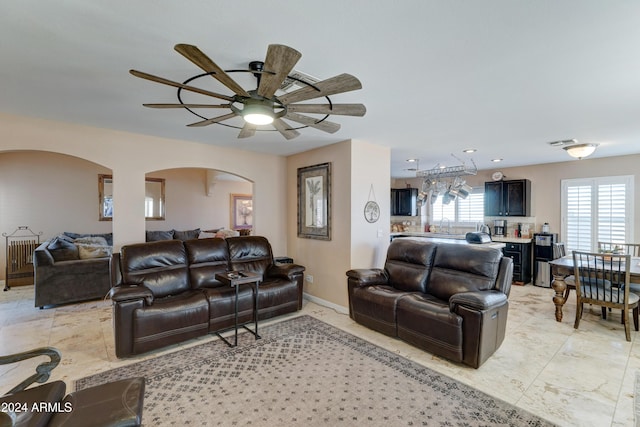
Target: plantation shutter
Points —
{"points": [[471, 209], [579, 208], [597, 210]]}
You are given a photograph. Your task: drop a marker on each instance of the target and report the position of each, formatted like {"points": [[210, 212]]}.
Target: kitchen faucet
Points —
{"points": [[448, 225]]}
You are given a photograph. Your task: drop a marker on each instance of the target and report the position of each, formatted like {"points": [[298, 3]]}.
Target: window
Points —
{"points": [[597, 210], [460, 211]]}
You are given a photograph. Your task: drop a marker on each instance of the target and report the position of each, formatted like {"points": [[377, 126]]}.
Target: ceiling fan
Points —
{"points": [[262, 106]]}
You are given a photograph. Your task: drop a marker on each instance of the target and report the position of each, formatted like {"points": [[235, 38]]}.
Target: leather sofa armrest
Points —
{"points": [[368, 276], [286, 271], [115, 271], [130, 293], [477, 300]]}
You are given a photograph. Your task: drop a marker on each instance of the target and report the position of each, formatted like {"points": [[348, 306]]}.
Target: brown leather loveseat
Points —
{"points": [[165, 292], [448, 299]]}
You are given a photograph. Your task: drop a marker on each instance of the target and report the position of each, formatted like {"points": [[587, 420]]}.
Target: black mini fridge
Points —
{"points": [[542, 254]]}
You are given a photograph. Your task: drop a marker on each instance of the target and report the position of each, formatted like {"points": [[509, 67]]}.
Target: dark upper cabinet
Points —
{"points": [[404, 201], [507, 198]]}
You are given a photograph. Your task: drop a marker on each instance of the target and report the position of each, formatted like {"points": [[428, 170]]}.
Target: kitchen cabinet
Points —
{"points": [[520, 253], [404, 202], [507, 198]]}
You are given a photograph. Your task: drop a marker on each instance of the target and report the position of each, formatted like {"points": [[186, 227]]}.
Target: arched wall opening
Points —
{"points": [[201, 198], [50, 193]]}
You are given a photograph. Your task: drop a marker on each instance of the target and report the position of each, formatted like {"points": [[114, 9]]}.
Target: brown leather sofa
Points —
{"points": [[165, 292], [448, 299]]}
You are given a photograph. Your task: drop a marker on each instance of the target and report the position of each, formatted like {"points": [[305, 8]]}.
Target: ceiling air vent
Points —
{"points": [[296, 79], [563, 143]]}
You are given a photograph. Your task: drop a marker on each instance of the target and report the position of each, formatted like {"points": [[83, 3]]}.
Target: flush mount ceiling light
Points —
{"points": [[266, 104], [580, 151], [574, 149]]}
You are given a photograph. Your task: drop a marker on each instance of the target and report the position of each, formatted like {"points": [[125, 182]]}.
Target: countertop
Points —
{"points": [[453, 239], [511, 239]]}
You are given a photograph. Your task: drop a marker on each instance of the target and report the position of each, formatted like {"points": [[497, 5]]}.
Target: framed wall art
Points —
{"points": [[241, 211], [314, 202]]}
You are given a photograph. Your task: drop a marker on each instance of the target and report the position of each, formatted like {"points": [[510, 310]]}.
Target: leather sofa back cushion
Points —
{"points": [[250, 253], [160, 266], [206, 258], [408, 264], [460, 268]]}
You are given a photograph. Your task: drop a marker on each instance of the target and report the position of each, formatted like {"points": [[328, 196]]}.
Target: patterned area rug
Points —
{"points": [[305, 372]]}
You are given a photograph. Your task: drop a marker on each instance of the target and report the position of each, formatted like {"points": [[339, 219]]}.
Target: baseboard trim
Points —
{"points": [[340, 309]]}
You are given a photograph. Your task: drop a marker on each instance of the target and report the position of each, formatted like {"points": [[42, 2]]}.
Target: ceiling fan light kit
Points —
{"points": [[264, 105]]}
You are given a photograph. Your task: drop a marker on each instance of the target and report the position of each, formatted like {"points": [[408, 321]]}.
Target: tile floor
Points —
{"points": [[570, 377]]}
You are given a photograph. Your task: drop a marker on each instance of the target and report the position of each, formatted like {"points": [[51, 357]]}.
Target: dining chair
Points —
{"points": [[632, 249], [559, 250], [603, 279]]}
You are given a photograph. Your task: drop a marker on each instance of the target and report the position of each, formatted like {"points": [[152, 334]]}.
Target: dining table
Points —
{"points": [[563, 267]]}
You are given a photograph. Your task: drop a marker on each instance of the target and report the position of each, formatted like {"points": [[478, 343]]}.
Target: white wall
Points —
{"points": [[131, 156], [370, 169], [355, 165]]}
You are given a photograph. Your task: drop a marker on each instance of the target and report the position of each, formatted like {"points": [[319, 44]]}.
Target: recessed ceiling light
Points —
{"points": [[496, 160], [469, 150]]}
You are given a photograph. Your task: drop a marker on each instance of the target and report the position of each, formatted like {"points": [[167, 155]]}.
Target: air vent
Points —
{"points": [[563, 143], [290, 83]]}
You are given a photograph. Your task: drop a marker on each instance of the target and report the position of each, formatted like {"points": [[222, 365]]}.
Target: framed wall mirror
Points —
{"points": [[154, 199]]}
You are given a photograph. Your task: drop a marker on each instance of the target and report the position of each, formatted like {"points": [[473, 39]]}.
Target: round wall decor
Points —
{"points": [[371, 211]]}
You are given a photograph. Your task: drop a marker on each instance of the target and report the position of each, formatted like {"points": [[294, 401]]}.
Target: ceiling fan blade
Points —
{"points": [[157, 79], [285, 129], [280, 59], [247, 130], [338, 84], [195, 55], [338, 109], [324, 125], [213, 120], [187, 105]]}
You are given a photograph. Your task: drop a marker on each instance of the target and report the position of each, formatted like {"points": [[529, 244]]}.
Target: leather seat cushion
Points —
{"points": [[49, 392], [117, 403], [250, 253], [460, 268], [206, 258], [222, 306], [427, 322], [408, 264], [170, 320], [375, 307], [160, 266]]}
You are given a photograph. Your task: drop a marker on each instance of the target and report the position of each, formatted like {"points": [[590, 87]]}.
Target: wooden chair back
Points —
{"points": [[603, 279], [632, 249]]}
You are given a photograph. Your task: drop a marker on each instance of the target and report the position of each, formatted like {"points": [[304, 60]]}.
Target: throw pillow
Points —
{"points": [[186, 235], [154, 236], [88, 251], [224, 233], [91, 240], [107, 236], [62, 249], [206, 235]]}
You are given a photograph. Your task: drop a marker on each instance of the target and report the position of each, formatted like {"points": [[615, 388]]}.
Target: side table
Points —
{"points": [[235, 279]]}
